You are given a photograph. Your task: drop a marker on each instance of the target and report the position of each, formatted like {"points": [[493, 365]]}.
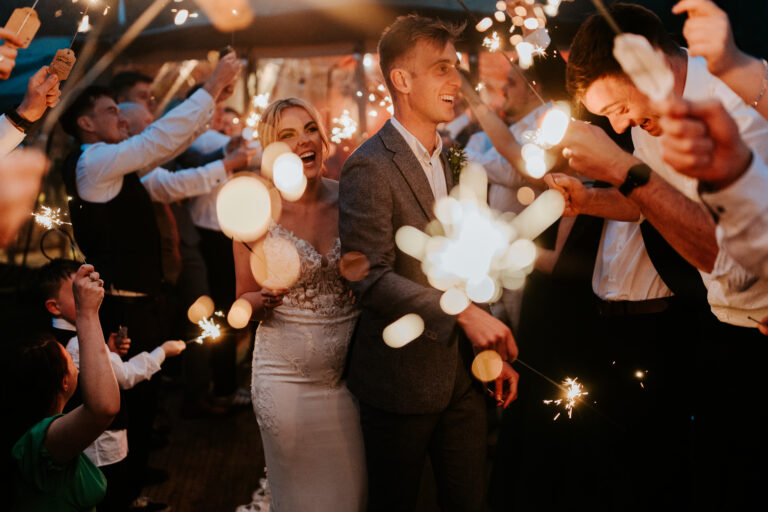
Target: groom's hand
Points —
{"points": [[488, 333], [503, 396]]}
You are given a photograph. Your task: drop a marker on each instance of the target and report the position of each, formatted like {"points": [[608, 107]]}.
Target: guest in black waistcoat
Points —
{"points": [[113, 180]]}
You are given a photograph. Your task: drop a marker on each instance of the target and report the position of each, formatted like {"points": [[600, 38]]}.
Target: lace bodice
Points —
{"points": [[320, 288]]}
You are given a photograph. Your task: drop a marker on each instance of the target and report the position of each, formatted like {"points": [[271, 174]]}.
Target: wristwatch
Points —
{"points": [[637, 176], [20, 123]]}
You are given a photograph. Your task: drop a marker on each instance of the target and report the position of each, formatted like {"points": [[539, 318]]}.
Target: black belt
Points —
{"points": [[632, 307]]}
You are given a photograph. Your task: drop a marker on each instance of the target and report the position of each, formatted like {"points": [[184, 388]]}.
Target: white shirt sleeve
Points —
{"points": [[102, 166], [73, 347], [166, 187], [742, 210], [10, 136], [499, 171], [138, 368]]}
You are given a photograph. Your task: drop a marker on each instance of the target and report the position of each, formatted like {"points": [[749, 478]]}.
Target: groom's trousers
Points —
{"points": [[397, 445]]}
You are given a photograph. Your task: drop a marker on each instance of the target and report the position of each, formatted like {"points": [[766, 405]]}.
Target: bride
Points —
{"points": [[308, 419]]}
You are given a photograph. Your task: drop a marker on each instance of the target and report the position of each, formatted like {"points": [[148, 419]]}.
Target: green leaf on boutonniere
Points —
{"points": [[457, 159]]}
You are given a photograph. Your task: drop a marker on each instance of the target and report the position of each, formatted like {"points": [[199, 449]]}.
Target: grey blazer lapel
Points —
{"points": [[409, 167]]}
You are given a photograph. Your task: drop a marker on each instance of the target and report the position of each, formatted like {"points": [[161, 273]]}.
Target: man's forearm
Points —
{"points": [[608, 203], [684, 224]]}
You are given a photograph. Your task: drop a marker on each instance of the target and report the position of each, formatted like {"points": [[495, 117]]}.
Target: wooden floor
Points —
{"points": [[214, 463]]}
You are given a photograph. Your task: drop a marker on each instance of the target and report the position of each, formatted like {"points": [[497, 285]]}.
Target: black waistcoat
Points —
{"points": [[120, 238]]}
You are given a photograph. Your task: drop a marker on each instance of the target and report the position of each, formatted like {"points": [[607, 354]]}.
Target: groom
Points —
{"points": [[419, 400]]}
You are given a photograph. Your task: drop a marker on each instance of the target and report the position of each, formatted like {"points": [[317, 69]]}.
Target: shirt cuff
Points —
{"points": [[158, 355], [10, 136], [217, 172], [739, 200], [203, 98]]}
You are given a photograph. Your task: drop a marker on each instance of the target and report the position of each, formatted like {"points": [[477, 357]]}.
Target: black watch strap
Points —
{"points": [[19, 121], [637, 176]]}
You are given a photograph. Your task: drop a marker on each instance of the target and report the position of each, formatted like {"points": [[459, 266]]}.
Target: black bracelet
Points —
{"points": [[21, 123], [637, 176]]}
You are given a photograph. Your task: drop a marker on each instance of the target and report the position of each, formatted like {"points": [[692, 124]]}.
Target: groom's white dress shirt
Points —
{"points": [[433, 167], [10, 136]]}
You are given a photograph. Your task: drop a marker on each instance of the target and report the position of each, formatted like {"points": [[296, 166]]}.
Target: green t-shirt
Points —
{"points": [[42, 485]]}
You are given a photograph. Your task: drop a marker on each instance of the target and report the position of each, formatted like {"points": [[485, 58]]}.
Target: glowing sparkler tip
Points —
{"points": [[573, 391], [49, 218]]}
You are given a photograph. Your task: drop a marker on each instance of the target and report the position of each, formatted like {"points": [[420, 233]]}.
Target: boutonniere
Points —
{"points": [[457, 159]]}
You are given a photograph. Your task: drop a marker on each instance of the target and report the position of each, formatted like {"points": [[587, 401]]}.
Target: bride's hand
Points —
{"points": [[271, 299]]}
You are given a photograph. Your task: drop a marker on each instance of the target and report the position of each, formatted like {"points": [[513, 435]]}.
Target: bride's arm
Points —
{"points": [[246, 286]]}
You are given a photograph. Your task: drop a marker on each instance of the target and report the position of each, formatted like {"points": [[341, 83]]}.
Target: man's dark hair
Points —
{"points": [[82, 106], [50, 276], [400, 37], [122, 82], [591, 55], [549, 72]]}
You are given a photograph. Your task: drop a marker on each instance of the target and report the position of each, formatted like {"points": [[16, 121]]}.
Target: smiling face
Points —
{"points": [[616, 97], [430, 81], [104, 121], [302, 133]]}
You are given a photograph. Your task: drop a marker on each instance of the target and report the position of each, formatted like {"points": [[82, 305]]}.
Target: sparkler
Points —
{"points": [[573, 391], [344, 127], [492, 43], [209, 329], [49, 218]]}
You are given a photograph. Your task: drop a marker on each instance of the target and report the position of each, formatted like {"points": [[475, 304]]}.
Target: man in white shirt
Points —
{"points": [[702, 140], [628, 273], [113, 179]]}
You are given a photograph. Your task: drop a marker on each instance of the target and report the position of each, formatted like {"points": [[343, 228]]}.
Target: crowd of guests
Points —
{"points": [[651, 287]]}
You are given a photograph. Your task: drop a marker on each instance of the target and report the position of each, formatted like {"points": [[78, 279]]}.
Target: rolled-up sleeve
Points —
{"points": [[742, 217]]}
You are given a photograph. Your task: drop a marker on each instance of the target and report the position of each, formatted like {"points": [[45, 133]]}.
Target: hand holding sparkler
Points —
{"points": [[573, 191], [271, 299], [88, 290], [592, 152], [225, 74], [118, 344], [488, 333], [8, 52], [42, 93], [173, 348], [702, 140], [505, 395]]}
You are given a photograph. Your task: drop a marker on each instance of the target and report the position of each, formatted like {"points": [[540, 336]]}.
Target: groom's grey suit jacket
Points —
{"points": [[383, 187]]}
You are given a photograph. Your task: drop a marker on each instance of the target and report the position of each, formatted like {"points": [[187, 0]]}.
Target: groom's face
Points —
{"points": [[434, 81]]}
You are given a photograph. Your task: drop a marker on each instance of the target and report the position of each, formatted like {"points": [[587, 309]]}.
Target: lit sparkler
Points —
{"points": [[344, 127], [49, 218], [573, 391], [493, 43], [209, 329]]}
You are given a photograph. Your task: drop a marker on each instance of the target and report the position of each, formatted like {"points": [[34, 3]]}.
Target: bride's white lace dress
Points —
{"points": [[308, 419]]}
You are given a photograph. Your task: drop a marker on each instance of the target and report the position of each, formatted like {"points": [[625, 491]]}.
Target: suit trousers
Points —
{"points": [[397, 445]]}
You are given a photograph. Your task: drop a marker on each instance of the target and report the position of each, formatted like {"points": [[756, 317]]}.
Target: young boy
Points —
{"points": [[109, 451]]}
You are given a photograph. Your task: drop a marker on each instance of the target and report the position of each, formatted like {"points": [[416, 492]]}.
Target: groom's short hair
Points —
{"points": [[402, 35]]}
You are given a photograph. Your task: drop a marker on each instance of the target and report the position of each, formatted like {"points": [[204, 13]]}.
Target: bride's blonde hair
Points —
{"points": [[267, 127]]}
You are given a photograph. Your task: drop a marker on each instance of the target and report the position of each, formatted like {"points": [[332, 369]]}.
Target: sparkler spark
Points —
{"points": [[210, 329], [49, 218], [573, 391], [344, 127], [492, 43]]}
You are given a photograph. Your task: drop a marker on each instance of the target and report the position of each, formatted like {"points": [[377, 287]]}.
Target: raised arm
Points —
{"points": [[685, 224], [709, 35], [162, 140], [69, 435]]}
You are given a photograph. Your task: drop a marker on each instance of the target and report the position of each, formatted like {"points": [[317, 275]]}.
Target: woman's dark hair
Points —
{"points": [[35, 369], [591, 54]]}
